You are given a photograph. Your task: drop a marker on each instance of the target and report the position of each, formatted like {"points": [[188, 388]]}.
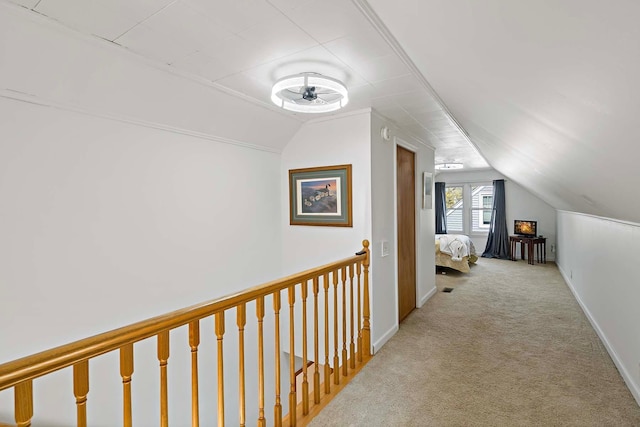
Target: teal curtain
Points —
{"points": [[498, 240], [441, 208]]}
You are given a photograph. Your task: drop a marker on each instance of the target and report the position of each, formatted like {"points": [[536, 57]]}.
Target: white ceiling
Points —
{"points": [[545, 90], [244, 46]]}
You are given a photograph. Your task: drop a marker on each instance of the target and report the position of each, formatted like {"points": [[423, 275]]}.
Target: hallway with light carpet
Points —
{"points": [[509, 346]]}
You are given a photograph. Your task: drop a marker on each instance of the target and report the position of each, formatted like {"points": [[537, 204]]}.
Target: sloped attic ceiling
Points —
{"points": [[546, 90], [136, 56]]}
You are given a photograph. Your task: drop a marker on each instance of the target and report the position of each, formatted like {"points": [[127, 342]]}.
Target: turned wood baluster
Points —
{"points": [[194, 342], [219, 322], [359, 346], [305, 382], [366, 329], [126, 371], [277, 409], [344, 321], [242, 321], [327, 367], [336, 359], [23, 401], [80, 390], [352, 345], [163, 357], [262, 422], [316, 373], [292, 357]]}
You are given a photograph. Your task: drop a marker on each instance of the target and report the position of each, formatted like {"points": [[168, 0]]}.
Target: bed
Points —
{"points": [[455, 251]]}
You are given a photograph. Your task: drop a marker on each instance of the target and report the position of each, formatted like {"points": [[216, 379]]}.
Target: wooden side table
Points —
{"points": [[535, 246]]}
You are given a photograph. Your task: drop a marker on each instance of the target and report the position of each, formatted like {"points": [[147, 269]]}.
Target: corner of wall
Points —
{"points": [[377, 345], [603, 280], [383, 184], [624, 372], [427, 297]]}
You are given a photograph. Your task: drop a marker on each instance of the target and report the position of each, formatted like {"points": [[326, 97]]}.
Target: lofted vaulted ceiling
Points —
{"points": [[543, 90], [244, 46], [546, 90]]}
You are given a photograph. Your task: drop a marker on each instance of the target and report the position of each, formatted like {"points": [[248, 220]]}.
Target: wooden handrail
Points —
{"points": [[339, 287], [23, 370]]}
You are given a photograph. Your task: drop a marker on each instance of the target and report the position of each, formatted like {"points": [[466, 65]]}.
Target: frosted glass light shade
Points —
{"points": [[324, 94], [448, 166]]}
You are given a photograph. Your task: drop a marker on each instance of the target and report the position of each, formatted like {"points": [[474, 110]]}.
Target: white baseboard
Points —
{"points": [[628, 379], [391, 332], [386, 337], [426, 298]]}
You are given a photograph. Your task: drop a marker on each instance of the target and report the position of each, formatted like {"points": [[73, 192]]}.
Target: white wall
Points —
{"points": [[94, 210], [126, 191], [337, 140], [325, 142], [355, 139], [104, 223], [383, 184], [597, 259], [520, 204]]}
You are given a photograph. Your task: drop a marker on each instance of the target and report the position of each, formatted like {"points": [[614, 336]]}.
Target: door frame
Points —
{"points": [[418, 185]]}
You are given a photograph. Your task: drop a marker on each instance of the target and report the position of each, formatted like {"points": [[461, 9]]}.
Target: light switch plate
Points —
{"points": [[384, 248]]}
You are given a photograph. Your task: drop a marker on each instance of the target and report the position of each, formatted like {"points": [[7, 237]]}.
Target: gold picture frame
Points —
{"points": [[321, 196]]}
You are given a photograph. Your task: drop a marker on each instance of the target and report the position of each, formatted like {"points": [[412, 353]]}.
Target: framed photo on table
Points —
{"points": [[320, 196]]}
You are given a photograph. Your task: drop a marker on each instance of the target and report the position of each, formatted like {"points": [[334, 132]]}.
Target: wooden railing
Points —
{"points": [[344, 328]]}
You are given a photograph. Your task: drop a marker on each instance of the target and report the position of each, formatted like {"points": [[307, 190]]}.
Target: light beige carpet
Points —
{"points": [[508, 347]]}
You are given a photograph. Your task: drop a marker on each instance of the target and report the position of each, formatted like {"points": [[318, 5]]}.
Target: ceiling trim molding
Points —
{"points": [[373, 112], [33, 99], [399, 128], [402, 142], [235, 93], [604, 218], [358, 112], [382, 29]]}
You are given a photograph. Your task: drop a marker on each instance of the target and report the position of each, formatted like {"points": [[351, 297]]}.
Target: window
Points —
{"points": [[455, 209], [487, 203], [469, 208], [482, 199]]}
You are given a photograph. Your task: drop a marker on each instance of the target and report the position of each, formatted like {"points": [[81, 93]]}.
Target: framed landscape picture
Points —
{"points": [[320, 196]]}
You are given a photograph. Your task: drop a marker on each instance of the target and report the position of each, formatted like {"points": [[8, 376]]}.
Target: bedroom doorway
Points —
{"points": [[406, 214]]}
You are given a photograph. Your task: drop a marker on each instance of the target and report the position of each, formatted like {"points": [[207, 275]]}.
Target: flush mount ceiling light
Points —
{"points": [[448, 166], [309, 93]]}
